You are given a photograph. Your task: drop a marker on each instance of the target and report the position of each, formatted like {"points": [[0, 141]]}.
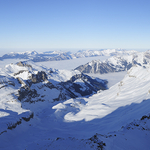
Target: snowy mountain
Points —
{"points": [[24, 83], [20, 55], [107, 52], [59, 55], [120, 114], [116, 63], [45, 108], [37, 57]]}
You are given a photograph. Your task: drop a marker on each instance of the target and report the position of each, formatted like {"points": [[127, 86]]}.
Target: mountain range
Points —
{"points": [[60, 55], [116, 63], [47, 108]]}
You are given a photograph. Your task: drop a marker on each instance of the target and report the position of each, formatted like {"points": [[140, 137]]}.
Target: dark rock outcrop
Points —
{"points": [[96, 140], [27, 94], [39, 77], [86, 85], [14, 125]]}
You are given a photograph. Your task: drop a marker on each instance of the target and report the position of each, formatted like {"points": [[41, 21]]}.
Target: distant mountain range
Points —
{"points": [[59, 55], [116, 63]]}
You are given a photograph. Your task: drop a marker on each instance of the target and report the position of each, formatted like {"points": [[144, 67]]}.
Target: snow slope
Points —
{"points": [[134, 88]]}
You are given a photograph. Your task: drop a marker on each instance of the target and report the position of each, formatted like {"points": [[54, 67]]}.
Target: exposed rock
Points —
{"points": [[100, 143], [20, 80], [23, 64], [145, 116], [6, 83], [26, 93], [3, 132], [14, 125], [49, 85], [21, 71], [86, 85], [29, 117], [61, 96], [39, 77]]}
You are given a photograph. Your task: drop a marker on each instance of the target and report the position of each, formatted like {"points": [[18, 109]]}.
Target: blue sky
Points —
{"points": [[76, 24]]}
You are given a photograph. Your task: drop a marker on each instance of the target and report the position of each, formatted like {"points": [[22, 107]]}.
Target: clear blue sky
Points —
{"points": [[32, 24]]}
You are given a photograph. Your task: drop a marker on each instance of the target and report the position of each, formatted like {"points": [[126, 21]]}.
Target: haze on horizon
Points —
{"points": [[73, 25]]}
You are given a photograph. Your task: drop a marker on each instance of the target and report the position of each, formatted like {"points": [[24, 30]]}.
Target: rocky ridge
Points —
{"points": [[116, 63]]}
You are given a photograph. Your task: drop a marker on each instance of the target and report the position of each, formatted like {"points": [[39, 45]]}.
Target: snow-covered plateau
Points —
{"points": [[45, 108]]}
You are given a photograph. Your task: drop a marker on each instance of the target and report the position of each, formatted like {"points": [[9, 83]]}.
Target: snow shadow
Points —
{"points": [[110, 123], [119, 117], [46, 125], [11, 119]]}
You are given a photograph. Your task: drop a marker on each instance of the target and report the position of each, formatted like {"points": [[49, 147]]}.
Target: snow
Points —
{"points": [[128, 58], [10, 108], [3, 114], [124, 93], [105, 52], [27, 52], [25, 75], [63, 75], [70, 123]]}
